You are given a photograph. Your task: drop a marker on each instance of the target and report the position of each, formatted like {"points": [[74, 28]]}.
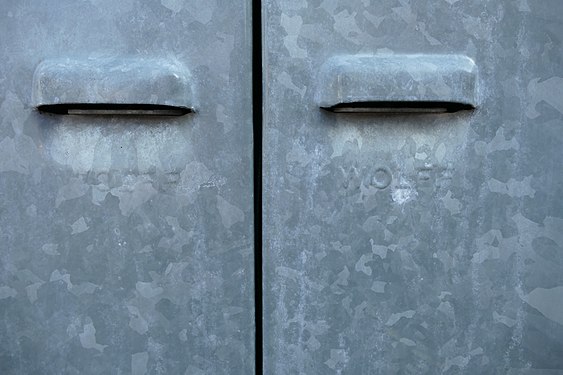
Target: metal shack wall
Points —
{"points": [[418, 243], [126, 243]]}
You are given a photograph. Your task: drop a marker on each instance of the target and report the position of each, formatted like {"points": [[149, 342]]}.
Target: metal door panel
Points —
{"points": [[126, 242], [417, 243]]}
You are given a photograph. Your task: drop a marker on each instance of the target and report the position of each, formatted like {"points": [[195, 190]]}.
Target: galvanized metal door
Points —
{"points": [[126, 242], [417, 243]]}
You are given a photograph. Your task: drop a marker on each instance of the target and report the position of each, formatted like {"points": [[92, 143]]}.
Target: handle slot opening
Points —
{"points": [[101, 109], [399, 107]]}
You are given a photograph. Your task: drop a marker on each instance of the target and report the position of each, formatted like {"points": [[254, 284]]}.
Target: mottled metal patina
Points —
{"points": [[421, 243], [393, 244], [126, 243]]}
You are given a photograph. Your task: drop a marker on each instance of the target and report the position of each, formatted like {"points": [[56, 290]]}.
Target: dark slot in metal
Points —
{"points": [[112, 109], [399, 107]]}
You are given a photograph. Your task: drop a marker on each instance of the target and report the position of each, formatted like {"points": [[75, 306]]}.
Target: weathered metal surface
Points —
{"points": [[414, 244], [126, 242]]}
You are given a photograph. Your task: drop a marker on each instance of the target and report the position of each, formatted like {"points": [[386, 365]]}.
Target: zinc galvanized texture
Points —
{"points": [[126, 243], [414, 244]]}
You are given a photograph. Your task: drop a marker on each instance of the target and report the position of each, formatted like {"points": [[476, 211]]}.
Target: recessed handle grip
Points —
{"points": [[141, 87], [397, 84]]}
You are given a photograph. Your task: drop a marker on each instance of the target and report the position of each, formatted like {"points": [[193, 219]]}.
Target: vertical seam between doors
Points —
{"points": [[257, 117]]}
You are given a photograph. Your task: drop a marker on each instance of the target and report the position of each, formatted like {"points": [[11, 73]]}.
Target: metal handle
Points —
{"points": [[397, 84], [145, 87]]}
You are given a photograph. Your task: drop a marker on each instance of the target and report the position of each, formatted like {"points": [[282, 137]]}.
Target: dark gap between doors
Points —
{"points": [[257, 119]]}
